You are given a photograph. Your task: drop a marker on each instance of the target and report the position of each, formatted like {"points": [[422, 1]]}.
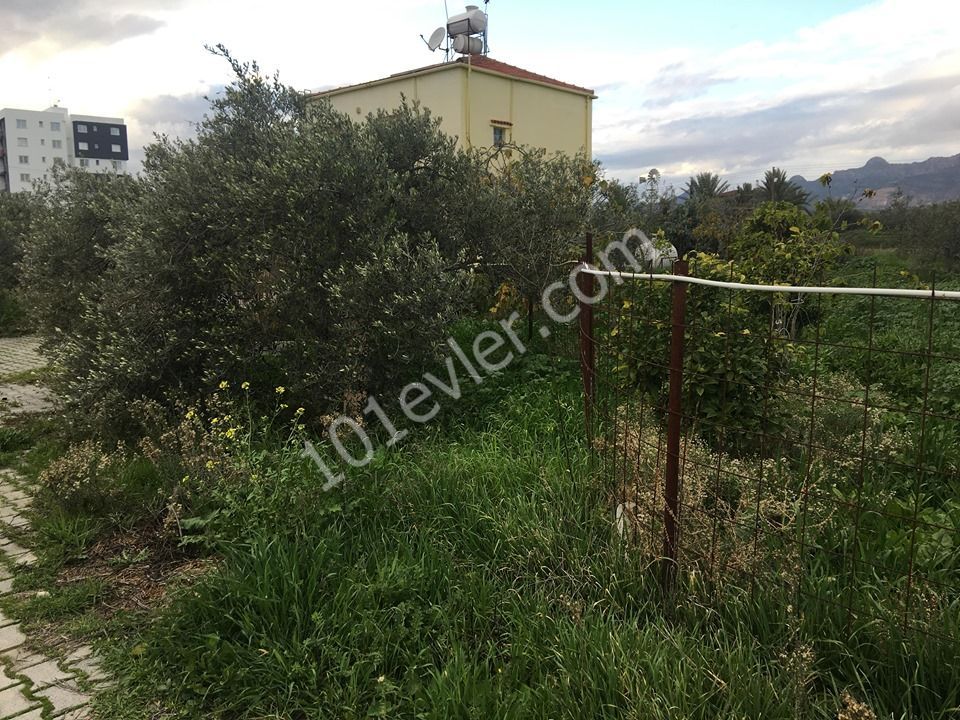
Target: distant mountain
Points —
{"points": [[934, 180]]}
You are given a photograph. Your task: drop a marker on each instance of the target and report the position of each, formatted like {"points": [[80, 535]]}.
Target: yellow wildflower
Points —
{"points": [[300, 411], [231, 433], [209, 464], [224, 384], [190, 414], [281, 390], [244, 385], [214, 421]]}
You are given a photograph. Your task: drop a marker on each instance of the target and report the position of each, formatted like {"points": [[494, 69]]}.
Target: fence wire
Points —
{"points": [[816, 443]]}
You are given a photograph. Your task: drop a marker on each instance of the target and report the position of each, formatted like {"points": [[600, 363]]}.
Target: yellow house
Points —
{"points": [[483, 103]]}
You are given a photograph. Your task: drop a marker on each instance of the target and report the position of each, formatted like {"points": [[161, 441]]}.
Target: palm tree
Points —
{"points": [[705, 185], [776, 187]]}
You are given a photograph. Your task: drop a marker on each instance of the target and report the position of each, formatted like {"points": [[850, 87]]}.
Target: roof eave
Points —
{"points": [[584, 92]]}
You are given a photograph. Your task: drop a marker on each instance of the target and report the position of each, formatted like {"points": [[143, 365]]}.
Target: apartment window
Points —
{"points": [[21, 142], [499, 136], [55, 125], [24, 177], [40, 123], [43, 141], [81, 128], [44, 159], [83, 146], [115, 148], [21, 124], [84, 162], [115, 132], [24, 159], [57, 144]]}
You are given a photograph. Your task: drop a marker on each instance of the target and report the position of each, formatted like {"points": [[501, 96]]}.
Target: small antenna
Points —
{"points": [[486, 29]]}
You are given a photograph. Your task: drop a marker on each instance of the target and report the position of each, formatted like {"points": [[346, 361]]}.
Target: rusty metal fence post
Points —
{"points": [[587, 349], [671, 508]]}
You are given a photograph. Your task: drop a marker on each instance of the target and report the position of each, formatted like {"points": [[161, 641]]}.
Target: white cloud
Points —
{"points": [[668, 108], [793, 97]]}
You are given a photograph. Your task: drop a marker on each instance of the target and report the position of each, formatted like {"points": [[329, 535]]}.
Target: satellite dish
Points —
{"points": [[436, 37]]}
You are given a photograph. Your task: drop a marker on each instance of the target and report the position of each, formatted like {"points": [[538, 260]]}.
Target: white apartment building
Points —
{"points": [[32, 142]]}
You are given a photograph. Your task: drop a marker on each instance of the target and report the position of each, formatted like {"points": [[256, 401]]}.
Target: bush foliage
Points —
{"points": [[284, 245]]}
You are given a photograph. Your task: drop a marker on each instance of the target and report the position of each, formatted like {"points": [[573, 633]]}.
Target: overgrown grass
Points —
{"points": [[474, 572]]}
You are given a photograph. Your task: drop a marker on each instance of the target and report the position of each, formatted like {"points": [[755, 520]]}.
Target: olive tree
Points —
{"points": [[283, 245]]}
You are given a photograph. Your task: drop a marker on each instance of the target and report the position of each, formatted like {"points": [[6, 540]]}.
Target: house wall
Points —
{"points": [[468, 101], [540, 116], [440, 92]]}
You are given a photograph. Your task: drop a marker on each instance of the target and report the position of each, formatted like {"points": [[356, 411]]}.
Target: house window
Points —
{"points": [[499, 136], [57, 144], [95, 129], [24, 177], [21, 142], [21, 124], [24, 159], [43, 141], [40, 123], [116, 164], [55, 125], [115, 132], [81, 128], [84, 162], [115, 148], [44, 159], [98, 163], [83, 146]]}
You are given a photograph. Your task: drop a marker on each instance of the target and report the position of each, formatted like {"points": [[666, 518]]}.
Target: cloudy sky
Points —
{"points": [[731, 87]]}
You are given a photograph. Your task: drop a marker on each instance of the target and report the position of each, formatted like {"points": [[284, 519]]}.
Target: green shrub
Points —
{"points": [[66, 251], [285, 245]]}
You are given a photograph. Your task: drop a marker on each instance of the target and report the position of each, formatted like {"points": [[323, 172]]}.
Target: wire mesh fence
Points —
{"points": [[800, 443]]}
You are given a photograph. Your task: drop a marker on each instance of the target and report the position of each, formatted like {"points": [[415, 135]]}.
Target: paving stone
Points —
{"points": [[79, 714], [7, 679], [46, 673], [18, 521], [23, 657], [6, 586], [64, 697], [91, 668], [13, 701], [35, 714], [11, 637], [12, 550], [81, 653], [18, 399], [4, 620], [20, 354], [28, 558]]}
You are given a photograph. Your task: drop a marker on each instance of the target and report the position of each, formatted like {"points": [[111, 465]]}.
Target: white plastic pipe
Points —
{"points": [[808, 289]]}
